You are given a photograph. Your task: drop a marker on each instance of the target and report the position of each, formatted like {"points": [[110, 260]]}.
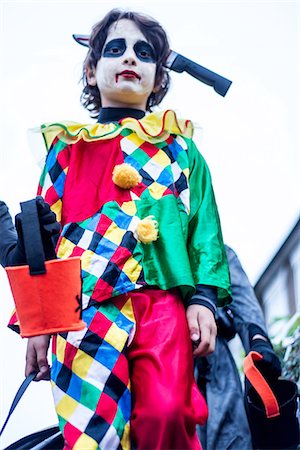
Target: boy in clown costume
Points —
{"points": [[135, 201]]}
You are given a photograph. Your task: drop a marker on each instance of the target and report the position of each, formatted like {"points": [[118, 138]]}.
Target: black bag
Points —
{"points": [[47, 439], [271, 407]]}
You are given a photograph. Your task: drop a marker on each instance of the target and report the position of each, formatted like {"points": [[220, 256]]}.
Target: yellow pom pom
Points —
{"points": [[125, 176], [147, 230]]}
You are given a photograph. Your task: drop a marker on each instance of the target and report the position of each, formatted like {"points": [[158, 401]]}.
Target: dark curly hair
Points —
{"points": [[156, 36]]}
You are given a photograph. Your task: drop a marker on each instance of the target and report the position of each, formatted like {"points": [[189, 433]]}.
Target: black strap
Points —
{"points": [[32, 238], [18, 397]]}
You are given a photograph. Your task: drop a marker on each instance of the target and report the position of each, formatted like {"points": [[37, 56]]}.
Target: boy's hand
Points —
{"points": [[36, 357], [203, 329]]}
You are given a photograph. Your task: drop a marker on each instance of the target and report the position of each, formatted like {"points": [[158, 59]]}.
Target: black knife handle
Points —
{"points": [[219, 83]]}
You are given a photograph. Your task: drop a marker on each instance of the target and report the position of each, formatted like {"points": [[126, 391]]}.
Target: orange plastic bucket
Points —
{"points": [[47, 294], [47, 303]]}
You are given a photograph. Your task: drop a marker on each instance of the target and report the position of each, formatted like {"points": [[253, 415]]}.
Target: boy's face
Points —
{"points": [[125, 73]]}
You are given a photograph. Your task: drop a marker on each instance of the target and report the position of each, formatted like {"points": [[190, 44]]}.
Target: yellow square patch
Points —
{"points": [[116, 337], [81, 364], [135, 139], [129, 208], [85, 442], [132, 269], [125, 441], [157, 190], [60, 348], [114, 234], [66, 406], [186, 172], [161, 158], [56, 208], [65, 249], [127, 311], [86, 258]]}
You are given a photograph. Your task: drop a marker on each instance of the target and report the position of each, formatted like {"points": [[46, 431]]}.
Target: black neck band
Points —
{"points": [[109, 114]]}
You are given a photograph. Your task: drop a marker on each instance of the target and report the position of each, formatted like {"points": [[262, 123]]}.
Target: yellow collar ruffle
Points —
{"points": [[154, 127]]}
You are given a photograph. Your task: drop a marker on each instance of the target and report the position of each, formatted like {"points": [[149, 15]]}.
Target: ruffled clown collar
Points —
{"points": [[154, 127]]}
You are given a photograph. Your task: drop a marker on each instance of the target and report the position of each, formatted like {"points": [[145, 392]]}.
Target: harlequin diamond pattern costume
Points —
{"points": [[99, 218], [144, 245]]}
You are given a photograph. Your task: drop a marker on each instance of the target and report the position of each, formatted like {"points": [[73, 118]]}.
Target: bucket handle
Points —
{"points": [[260, 384], [18, 397], [32, 238]]}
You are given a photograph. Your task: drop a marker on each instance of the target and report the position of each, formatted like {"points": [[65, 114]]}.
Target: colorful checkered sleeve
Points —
{"points": [[53, 177]]}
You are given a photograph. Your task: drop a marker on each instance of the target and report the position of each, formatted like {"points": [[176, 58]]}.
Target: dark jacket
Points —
{"points": [[227, 427]]}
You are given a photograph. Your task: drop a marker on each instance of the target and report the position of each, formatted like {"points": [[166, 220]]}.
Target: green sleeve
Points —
{"points": [[205, 242]]}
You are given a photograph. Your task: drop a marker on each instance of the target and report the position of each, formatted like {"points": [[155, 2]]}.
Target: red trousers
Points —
{"points": [[167, 404], [93, 369]]}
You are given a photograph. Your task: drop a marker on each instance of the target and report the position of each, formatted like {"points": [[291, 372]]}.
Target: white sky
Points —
{"points": [[250, 138]]}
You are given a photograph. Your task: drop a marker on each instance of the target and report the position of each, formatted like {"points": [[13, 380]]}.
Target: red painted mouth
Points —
{"points": [[128, 74]]}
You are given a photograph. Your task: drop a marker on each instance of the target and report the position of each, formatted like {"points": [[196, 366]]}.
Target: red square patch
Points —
{"points": [[100, 324], [70, 352], [120, 369], [107, 408], [71, 434]]}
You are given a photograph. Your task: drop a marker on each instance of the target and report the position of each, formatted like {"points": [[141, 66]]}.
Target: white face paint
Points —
{"points": [[125, 74]]}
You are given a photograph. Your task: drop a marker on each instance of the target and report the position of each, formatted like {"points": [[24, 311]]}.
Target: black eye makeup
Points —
{"points": [[117, 47], [114, 48], [144, 51]]}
